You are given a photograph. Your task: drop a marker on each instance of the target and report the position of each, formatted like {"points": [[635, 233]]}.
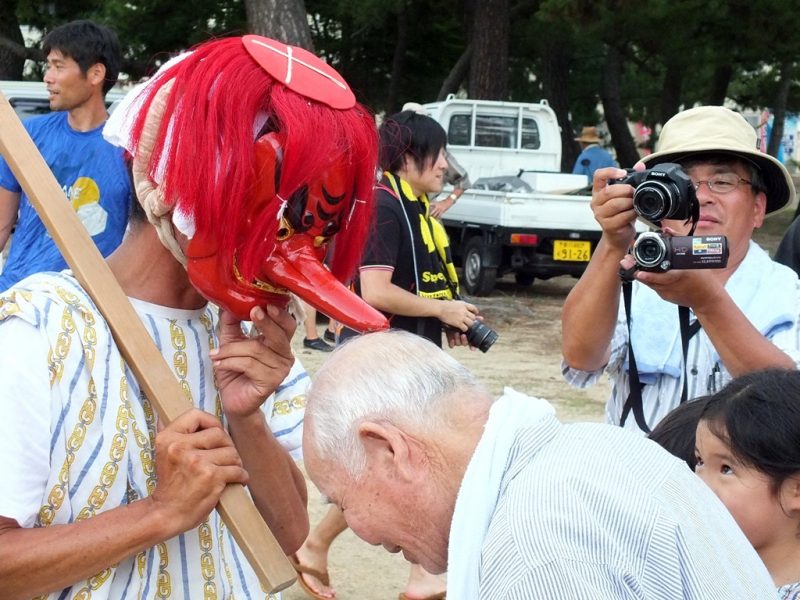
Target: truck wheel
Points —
{"points": [[478, 279], [524, 279]]}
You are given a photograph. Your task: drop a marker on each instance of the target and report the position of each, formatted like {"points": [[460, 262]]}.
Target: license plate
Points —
{"points": [[574, 251]]}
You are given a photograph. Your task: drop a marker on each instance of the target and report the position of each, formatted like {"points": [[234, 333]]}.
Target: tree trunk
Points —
{"points": [[720, 81], [556, 56], [616, 121], [283, 20], [12, 45], [779, 110], [398, 59], [671, 89], [456, 75], [488, 74]]}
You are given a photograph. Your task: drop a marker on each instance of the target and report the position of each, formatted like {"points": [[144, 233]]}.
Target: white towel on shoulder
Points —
{"points": [[480, 488]]}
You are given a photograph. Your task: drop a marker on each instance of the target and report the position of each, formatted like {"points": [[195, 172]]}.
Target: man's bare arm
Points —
{"points": [[9, 207], [195, 460], [248, 371], [590, 310]]}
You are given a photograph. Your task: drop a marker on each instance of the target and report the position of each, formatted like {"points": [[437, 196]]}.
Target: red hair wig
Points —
{"points": [[206, 146]]}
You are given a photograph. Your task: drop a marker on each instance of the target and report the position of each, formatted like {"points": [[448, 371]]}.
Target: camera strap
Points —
{"points": [[634, 401], [687, 331]]}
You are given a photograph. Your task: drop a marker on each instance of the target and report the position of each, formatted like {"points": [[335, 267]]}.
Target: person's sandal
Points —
{"points": [[321, 576]]}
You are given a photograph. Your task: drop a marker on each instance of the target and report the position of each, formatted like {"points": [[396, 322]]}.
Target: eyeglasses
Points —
{"points": [[724, 183]]}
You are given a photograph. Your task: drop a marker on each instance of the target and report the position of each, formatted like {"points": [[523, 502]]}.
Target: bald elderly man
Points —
{"points": [[499, 493]]}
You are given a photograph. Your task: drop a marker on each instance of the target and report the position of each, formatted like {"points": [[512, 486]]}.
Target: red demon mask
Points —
{"points": [[310, 218], [264, 206]]}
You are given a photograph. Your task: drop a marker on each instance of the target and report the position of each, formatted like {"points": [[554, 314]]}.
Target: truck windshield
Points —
{"points": [[493, 131]]}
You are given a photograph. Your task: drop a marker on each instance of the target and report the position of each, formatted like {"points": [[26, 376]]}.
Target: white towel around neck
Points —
{"points": [[480, 488]]}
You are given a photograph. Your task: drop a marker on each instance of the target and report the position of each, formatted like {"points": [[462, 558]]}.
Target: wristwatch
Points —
{"points": [[453, 197]]}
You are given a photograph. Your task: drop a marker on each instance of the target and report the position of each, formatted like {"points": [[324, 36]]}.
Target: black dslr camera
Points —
{"points": [[479, 335], [666, 192], [663, 192]]}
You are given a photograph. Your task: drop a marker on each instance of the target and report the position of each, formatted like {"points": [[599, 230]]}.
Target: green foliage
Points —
{"points": [[150, 30], [671, 49], [359, 38], [46, 15], [751, 87], [153, 30]]}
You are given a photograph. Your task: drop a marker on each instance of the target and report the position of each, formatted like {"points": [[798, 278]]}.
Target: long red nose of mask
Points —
{"points": [[293, 260], [293, 267]]}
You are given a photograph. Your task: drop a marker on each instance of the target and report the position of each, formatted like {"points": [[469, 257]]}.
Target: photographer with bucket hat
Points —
{"points": [[741, 318], [593, 156]]}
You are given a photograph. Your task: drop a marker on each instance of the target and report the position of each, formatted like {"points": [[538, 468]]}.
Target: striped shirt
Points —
{"points": [[77, 434], [706, 372], [592, 511]]}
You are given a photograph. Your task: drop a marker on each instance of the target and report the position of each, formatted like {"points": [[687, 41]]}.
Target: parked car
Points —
{"points": [[30, 98]]}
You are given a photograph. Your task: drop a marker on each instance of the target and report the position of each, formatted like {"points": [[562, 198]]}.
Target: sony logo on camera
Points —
{"points": [[659, 252]]}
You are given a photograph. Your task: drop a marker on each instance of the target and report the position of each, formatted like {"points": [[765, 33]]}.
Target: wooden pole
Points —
{"points": [[235, 506]]}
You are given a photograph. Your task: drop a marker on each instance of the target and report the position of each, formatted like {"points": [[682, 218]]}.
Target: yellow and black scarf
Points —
{"points": [[432, 231]]}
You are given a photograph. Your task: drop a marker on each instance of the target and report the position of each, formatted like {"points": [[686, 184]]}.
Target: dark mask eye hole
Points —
{"points": [[285, 231], [330, 228], [296, 209]]}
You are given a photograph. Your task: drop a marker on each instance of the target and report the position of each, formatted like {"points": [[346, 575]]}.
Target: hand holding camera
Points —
{"points": [[666, 192], [478, 334]]}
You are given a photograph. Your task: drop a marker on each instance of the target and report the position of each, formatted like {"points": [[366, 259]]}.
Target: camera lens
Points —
{"points": [[653, 200], [481, 336], [649, 250]]}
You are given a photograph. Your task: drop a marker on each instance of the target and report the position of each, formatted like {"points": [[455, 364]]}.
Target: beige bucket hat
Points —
{"points": [[719, 130]]}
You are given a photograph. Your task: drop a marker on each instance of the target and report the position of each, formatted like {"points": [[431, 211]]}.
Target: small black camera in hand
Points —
{"points": [[662, 192], [658, 252], [481, 336]]}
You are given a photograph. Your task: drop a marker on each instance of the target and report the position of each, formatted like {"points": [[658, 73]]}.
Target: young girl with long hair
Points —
{"points": [[748, 452]]}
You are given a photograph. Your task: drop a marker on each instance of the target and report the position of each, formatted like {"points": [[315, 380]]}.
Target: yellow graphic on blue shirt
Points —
{"points": [[84, 195]]}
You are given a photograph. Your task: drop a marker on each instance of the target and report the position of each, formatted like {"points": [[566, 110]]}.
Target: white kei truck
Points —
{"points": [[521, 214]]}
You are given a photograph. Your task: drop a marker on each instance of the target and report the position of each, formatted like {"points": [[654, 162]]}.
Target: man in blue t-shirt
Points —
{"points": [[83, 61], [593, 156]]}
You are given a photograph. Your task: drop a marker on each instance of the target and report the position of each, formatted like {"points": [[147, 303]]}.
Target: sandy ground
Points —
{"points": [[526, 357]]}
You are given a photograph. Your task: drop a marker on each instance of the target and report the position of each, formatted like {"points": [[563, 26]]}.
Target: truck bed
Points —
{"points": [[526, 210]]}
